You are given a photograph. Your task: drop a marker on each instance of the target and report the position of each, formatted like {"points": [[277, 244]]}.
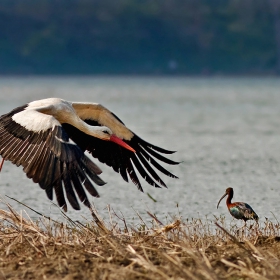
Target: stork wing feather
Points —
{"points": [[42, 147], [121, 160]]}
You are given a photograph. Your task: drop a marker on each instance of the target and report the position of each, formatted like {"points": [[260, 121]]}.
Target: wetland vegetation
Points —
{"points": [[181, 249]]}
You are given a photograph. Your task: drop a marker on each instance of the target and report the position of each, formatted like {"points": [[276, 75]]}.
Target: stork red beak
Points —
{"points": [[1, 164], [120, 142]]}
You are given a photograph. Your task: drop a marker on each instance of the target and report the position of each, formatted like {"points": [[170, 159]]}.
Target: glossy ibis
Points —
{"points": [[239, 210]]}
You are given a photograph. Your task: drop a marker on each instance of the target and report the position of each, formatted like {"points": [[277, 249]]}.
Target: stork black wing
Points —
{"points": [[48, 157], [123, 161]]}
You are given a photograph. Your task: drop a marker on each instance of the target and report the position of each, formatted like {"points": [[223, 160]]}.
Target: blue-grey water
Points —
{"points": [[226, 132]]}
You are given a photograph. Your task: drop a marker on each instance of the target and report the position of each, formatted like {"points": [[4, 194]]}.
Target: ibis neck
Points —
{"points": [[229, 198]]}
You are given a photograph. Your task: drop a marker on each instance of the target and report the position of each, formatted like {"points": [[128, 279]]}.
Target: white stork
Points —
{"points": [[49, 138]]}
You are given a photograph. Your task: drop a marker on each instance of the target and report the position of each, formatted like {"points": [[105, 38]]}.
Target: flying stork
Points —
{"points": [[49, 138]]}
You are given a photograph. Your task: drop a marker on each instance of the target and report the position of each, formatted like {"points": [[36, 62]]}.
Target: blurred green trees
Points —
{"points": [[139, 37]]}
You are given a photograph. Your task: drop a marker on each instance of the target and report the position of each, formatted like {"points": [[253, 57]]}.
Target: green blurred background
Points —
{"points": [[155, 37]]}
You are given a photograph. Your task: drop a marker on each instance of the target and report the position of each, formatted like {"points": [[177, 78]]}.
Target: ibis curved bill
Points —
{"points": [[221, 199]]}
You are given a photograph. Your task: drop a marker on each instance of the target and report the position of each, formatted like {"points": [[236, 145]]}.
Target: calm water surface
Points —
{"points": [[226, 132]]}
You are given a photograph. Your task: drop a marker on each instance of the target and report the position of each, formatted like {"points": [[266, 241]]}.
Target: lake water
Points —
{"points": [[226, 132]]}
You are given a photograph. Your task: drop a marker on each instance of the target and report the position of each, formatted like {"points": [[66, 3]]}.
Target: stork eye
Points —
{"points": [[106, 132]]}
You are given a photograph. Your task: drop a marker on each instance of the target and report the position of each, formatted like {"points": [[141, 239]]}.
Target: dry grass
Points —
{"points": [[191, 249]]}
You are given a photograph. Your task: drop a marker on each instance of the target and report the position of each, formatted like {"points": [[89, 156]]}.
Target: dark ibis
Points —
{"points": [[239, 210], [49, 138]]}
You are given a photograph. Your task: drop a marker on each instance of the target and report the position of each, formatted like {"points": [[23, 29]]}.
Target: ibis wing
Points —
{"points": [[246, 210], [39, 143]]}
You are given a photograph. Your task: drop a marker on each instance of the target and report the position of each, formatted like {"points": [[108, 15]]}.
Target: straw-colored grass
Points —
{"points": [[191, 249]]}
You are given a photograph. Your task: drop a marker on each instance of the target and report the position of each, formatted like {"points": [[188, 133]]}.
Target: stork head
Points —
{"points": [[106, 134]]}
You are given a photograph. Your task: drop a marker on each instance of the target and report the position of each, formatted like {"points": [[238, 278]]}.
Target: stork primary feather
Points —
{"points": [[49, 138]]}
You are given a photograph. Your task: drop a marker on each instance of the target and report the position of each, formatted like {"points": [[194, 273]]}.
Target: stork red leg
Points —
{"points": [[1, 164]]}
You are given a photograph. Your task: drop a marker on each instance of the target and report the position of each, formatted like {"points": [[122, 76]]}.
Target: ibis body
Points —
{"points": [[49, 138], [239, 210]]}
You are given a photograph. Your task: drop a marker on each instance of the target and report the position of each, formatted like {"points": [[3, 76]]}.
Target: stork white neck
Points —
{"points": [[65, 113]]}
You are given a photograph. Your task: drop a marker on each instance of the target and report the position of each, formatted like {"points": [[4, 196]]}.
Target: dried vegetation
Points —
{"points": [[191, 249]]}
